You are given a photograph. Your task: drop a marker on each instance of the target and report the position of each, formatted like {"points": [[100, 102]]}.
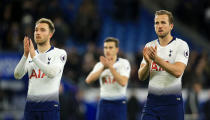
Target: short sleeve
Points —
{"points": [[182, 53], [125, 69], [62, 58], [97, 67]]}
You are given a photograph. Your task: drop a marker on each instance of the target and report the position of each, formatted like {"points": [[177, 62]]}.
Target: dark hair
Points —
{"points": [[47, 21], [165, 12], [112, 39]]}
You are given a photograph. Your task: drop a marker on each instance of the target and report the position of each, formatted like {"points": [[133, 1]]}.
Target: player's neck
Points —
{"points": [[43, 48], [113, 58], [165, 40]]}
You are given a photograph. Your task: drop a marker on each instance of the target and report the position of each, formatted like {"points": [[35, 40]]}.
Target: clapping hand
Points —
{"points": [[26, 46], [152, 52], [146, 55], [31, 49], [106, 62]]}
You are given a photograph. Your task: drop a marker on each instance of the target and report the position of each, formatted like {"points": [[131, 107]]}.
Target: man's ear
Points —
{"points": [[51, 34], [118, 50], [172, 26]]}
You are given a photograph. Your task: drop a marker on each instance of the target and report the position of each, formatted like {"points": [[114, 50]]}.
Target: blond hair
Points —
{"points": [[47, 21]]}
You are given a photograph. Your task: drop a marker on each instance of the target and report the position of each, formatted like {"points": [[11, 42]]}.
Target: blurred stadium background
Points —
{"points": [[81, 26]]}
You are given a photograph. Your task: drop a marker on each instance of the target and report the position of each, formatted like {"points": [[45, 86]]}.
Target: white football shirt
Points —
{"points": [[109, 87], [45, 72], [162, 82]]}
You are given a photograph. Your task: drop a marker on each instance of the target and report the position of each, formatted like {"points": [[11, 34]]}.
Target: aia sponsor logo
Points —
{"points": [[37, 74], [108, 80], [156, 67]]}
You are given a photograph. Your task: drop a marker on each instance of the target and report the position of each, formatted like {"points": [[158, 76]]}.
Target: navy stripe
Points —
{"points": [[110, 110], [153, 99], [37, 51], [173, 38], [117, 60], [42, 106], [51, 48]]}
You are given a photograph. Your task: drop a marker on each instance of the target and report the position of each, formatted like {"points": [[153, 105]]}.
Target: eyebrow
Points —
{"points": [[40, 28]]}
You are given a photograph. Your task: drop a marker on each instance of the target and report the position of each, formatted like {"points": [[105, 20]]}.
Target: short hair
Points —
{"points": [[112, 39], [47, 21], [165, 12]]}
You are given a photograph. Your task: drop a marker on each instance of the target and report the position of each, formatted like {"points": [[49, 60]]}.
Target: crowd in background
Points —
{"points": [[18, 17]]}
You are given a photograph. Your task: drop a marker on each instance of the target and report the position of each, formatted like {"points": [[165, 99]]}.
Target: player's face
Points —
{"points": [[42, 33], [110, 50], [162, 25]]}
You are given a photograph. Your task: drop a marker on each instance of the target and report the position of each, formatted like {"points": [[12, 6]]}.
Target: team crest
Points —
{"points": [[48, 60], [170, 53]]}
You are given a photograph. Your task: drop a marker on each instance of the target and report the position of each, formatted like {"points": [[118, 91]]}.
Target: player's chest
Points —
{"points": [[107, 77], [167, 53], [107, 72], [44, 58]]}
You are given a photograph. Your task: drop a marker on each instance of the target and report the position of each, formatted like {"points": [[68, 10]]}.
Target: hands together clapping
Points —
{"points": [[28, 47], [150, 53]]}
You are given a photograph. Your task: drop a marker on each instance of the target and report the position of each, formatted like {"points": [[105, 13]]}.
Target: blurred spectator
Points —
{"points": [[5, 25], [207, 107], [207, 18], [200, 69], [62, 32], [70, 102], [90, 58], [195, 71], [207, 73], [168, 4], [194, 79], [187, 77], [192, 103], [133, 102], [134, 80], [14, 42], [87, 23], [126, 9], [73, 66], [26, 25], [1, 99]]}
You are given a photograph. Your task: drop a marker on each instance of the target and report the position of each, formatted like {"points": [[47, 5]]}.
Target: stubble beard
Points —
{"points": [[163, 35], [41, 43]]}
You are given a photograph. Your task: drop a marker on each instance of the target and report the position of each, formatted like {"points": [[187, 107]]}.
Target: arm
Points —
{"points": [[143, 71], [51, 70], [122, 80], [20, 69], [94, 75], [177, 68]]}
